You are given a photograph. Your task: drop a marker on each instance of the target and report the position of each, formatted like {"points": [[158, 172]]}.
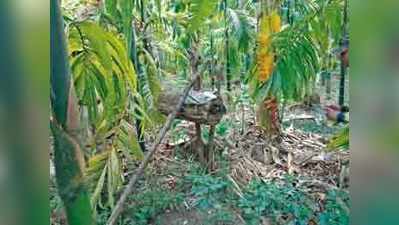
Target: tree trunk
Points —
{"points": [[211, 64], [68, 157], [195, 60], [134, 57], [267, 116], [227, 46], [341, 98], [328, 85]]}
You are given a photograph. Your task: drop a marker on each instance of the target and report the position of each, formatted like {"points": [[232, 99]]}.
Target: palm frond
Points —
{"points": [[103, 72], [339, 141], [242, 26], [200, 11]]}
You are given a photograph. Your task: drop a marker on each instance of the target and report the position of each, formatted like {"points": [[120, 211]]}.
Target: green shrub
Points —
{"points": [[272, 201], [210, 191], [336, 209], [148, 204]]}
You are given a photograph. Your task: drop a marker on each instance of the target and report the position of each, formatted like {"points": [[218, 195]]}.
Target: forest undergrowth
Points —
{"points": [[251, 139], [290, 179]]}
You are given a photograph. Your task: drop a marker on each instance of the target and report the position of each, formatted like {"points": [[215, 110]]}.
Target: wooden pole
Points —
{"points": [[119, 207]]}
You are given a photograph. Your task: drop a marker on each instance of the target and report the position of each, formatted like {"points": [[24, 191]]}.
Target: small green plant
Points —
{"points": [[148, 204], [221, 216], [274, 201], [221, 129], [209, 190], [336, 209], [213, 197]]}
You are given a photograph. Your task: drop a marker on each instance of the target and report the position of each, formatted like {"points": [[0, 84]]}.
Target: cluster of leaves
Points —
{"points": [[213, 196], [102, 71], [222, 129], [274, 201], [277, 201], [147, 204], [119, 14], [280, 202], [300, 49], [336, 210], [105, 173], [105, 82], [208, 190], [340, 140]]}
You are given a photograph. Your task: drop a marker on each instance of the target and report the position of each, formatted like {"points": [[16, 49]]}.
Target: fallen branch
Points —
{"points": [[307, 159], [119, 207]]}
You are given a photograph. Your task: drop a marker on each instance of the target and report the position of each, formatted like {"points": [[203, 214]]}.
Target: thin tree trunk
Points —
{"points": [[227, 46], [194, 60], [328, 85], [267, 116], [267, 112], [137, 66], [211, 73], [68, 157], [289, 14], [210, 149], [341, 99], [119, 207]]}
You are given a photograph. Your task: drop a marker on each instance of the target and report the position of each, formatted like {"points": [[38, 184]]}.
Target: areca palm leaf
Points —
{"points": [[340, 140], [103, 73], [242, 26], [119, 13], [105, 81], [296, 66], [105, 174], [299, 49], [104, 171], [152, 79], [200, 11]]}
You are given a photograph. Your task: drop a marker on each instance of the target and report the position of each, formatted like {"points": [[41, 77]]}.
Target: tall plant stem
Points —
{"points": [[135, 59], [68, 158], [227, 46], [341, 99]]}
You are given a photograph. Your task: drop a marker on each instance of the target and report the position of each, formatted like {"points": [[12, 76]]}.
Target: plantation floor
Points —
{"points": [[291, 179], [298, 159]]}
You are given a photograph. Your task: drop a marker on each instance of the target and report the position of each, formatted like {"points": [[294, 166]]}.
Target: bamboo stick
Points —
{"points": [[119, 207]]}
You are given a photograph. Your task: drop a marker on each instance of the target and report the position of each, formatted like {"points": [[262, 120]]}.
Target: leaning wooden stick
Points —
{"points": [[119, 207]]}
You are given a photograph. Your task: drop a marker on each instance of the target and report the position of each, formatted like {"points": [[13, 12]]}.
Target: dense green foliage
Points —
{"points": [[120, 53], [278, 202]]}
